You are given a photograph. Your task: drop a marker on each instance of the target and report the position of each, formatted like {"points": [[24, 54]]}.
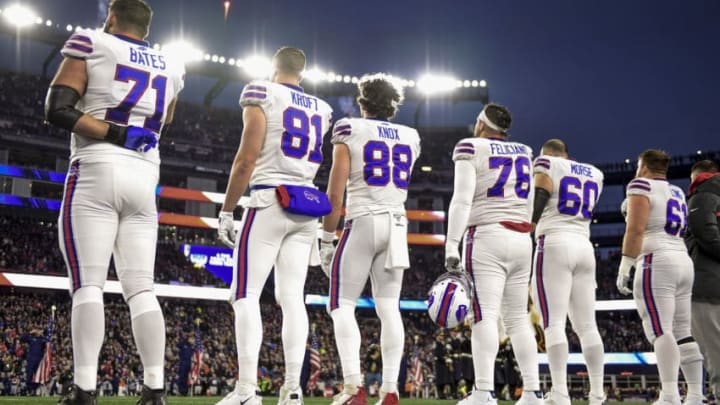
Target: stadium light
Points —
{"points": [[183, 50], [314, 74], [48, 23], [434, 84], [231, 61], [699, 152], [19, 15], [69, 27], [483, 83], [426, 169], [257, 66]]}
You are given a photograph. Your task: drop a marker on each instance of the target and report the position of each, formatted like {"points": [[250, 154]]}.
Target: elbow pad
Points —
{"points": [[541, 198], [60, 108]]}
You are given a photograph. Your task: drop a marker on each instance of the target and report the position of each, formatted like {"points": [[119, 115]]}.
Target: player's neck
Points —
{"points": [[128, 35], [494, 137], [288, 80]]}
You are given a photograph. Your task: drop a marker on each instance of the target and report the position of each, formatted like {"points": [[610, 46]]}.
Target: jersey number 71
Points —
{"points": [[141, 81]]}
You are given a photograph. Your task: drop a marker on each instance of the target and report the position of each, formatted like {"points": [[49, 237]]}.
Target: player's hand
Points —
{"points": [[138, 137], [452, 258], [226, 228], [327, 251], [623, 277], [131, 137]]}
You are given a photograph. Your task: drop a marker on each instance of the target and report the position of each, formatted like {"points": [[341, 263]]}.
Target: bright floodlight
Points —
{"points": [[19, 16], [69, 27], [434, 84], [183, 50], [483, 83], [48, 23], [314, 75], [257, 66], [426, 169]]}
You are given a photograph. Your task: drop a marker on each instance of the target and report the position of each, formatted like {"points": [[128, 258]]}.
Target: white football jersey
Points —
{"points": [[503, 191], [576, 190], [382, 156], [668, 218], [129, 83], [296, 123]]}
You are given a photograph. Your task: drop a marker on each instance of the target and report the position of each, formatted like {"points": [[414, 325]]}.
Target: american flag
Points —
{"points": [[44, 370], [417, 368], [197, 359], [314, 360]]}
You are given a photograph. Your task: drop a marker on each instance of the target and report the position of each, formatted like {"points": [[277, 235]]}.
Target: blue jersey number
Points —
{"points": [[377, 171], [506, 165], [677, 218], [574, 196], [141, 82], [295, 140]]}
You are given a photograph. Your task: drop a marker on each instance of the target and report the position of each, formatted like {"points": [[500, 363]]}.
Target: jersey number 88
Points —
{"points": [[378, 156]]}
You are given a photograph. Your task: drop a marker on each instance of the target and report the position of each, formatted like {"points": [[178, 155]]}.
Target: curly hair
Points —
{"points": [[499, 115], [379, 96]]}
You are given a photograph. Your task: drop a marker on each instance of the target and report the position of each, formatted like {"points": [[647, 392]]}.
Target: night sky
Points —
{"points": [[611, 77]]}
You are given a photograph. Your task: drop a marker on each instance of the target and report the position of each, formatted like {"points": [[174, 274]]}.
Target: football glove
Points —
{"points": [[327, 251], [623, 277], [132, 137], [452, 259], [226, 228]]}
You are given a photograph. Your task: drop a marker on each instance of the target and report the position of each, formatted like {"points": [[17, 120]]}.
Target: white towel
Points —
{"points": [[397, 250]]}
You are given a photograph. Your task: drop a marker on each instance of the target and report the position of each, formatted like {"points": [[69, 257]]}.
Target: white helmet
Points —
{"points": [[450, 299]]}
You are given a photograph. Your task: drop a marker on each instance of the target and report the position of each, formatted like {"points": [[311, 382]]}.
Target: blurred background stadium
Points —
{"points": [[192, 269]]}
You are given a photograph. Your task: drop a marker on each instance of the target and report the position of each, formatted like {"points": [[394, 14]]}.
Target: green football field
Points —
{"points": [[212, 400]]}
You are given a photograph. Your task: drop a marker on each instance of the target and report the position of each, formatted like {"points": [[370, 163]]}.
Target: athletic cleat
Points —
{"points": [[388, 398], [556, 398], [152, 397], [530, 398], [290, 396], [479, 398], [351, 395], [243, 394], [76, 396], [595, 400]]}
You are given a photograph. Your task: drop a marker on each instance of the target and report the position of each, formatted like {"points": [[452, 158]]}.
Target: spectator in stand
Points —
{"points": [[703, 242]]}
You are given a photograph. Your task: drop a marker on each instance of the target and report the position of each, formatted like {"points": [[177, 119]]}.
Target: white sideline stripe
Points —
{"points": [[113, 287]]}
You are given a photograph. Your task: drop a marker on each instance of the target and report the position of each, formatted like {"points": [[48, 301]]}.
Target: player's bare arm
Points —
{"points": [[339, 174], [253, 137], [638, 213], [637, 218], [543, 191], [66, 89]]}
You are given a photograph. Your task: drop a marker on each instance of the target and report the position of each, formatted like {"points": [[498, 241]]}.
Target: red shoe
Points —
{"points": [[351, 395], [388, 398]]}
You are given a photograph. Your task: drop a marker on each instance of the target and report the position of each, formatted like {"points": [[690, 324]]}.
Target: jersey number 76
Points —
{"points": [[506, 164]]}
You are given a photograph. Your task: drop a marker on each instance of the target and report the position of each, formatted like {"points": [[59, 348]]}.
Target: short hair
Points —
{"points": [[498, 115], [289, 60], [379, 96], [133, 15], [555, 145], [705, 166], [656, 160]]}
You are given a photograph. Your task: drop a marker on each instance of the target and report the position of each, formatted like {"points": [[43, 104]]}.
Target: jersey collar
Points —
{"points": [[131, 40], [377, 119], [292, 86], [497, 138]]}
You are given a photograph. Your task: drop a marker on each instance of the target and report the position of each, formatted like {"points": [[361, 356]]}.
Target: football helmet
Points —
{"points": [[450, 299]]}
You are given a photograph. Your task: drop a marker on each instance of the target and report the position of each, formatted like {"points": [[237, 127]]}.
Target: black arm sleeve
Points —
{"points": [[541, 198], [703, 223], [60, 108]]}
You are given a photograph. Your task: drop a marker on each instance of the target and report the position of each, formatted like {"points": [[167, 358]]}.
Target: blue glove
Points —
{"points": [[132, 137]]}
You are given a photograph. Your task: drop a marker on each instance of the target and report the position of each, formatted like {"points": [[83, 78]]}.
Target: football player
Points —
{"points": [[491, 205], [116, 95], [374, 159], [564, 275], [277, 159], [656, 219]]}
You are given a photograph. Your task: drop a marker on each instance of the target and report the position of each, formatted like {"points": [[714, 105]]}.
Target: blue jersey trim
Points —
{"points": [[292, 86]]}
